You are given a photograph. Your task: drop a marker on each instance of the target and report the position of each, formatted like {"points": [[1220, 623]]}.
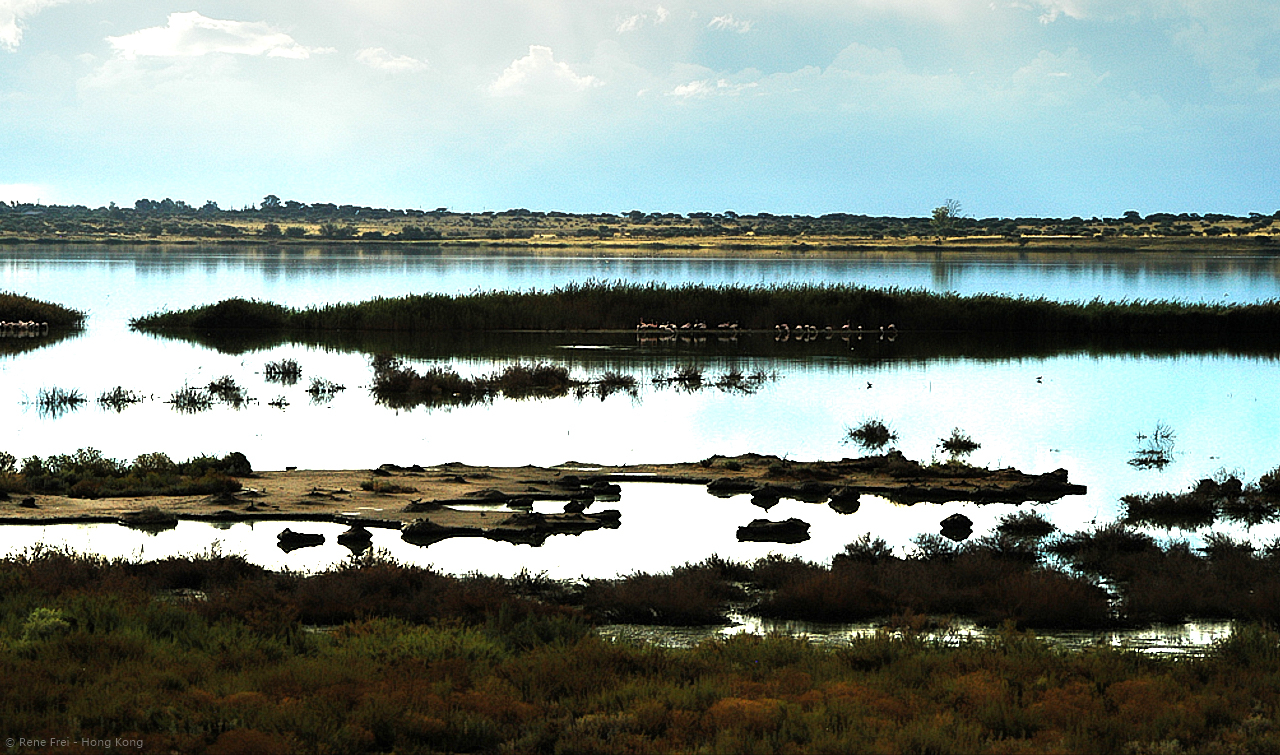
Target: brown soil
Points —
{"points": [[320, 494]]}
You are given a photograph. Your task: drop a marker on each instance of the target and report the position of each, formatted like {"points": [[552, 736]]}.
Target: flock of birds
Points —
{"points": [[782, 332], [23, 329], [671, 327]]}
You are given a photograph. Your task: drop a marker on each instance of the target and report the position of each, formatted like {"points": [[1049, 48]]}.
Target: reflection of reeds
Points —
{"points": [[284, 371], [1155, 451], [873, 433], [55, 402], [959, 443], [118, 398], [323, 390], [620, 306], [228, 392], [400, 386], [190, 400]]}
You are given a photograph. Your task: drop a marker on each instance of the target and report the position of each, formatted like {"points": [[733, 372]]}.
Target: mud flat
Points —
{"points": [[456, 499]]}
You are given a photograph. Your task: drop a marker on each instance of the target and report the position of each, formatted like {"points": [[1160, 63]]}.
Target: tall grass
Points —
{"points": [[88, 474], [413, 661], [620, 306], [18, 308]]}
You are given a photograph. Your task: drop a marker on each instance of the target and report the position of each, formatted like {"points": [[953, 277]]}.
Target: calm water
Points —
{"points": [[1072, 410]]}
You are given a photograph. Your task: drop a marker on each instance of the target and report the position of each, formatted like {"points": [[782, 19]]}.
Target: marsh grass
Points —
{"points": [[959, 443], [322, 390], [283, 371], [872, 434], [600, 305], [397, 385], [17, 308], [1155, 449], [415, 661], [118, 399], [55, 402], [191, 400], [1223, 496], [226, 390], [1026, 524], [88, 474]]}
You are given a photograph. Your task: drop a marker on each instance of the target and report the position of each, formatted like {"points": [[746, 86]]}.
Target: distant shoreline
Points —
{"points": [[696, 246]]}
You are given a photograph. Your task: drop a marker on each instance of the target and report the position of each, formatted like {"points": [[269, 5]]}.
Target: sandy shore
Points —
{"points": [[461, 495]]}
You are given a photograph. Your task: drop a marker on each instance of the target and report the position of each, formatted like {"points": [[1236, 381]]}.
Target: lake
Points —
{"points": [[1077, 408]]}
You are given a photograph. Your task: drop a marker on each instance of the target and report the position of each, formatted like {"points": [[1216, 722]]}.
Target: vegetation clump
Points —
{"points": [[283, 371], [18, 308], [619, 306], [1155, 449], [959, 443], [88, 474], [226, 390], [55, 402], [119, 398], [872, 434], [1226, 497], [1026, 524], [191, 400]]}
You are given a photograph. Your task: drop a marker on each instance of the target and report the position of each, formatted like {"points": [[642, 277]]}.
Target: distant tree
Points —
{"points": [[945, 217], [270, 230], [1132, 216], [210, 208], [335, 231], [295, 232], [271, 202]]}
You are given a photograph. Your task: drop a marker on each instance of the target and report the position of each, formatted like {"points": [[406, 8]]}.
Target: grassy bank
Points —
{"points": [[622, 306], [88, 474], [17, 308], [201, 656]]}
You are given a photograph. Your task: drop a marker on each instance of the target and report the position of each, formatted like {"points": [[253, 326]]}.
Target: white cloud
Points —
{"points": [[11, 14], [632, 23], [191, 35], [729, 23], [707, 87], [377, 57], [23, 193], [540, 73]]}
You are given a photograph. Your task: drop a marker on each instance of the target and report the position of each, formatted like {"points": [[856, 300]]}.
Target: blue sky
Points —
{"points": [[1012, 107]]}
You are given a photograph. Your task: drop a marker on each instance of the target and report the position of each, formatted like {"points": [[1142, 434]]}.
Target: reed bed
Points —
{"points": [[119, 398], [213, 655], [598, 305], [55, 402], [283, 371], [88, 474], [18, 308], [1207, 501], [872, 433]]}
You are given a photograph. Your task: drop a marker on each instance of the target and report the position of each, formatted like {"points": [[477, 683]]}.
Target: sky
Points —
{"points": [[1046, 108]]}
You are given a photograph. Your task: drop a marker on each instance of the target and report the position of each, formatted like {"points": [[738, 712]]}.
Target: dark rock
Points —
{"points": [[766, 496], [604, 487], [728, 486], [762, 530], [357, 538], [426, 532], [809, 492], [28, 503], [957, 527], [487, 495], [150, 518], [844, 500], [288, 540]]}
